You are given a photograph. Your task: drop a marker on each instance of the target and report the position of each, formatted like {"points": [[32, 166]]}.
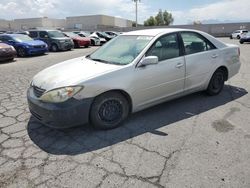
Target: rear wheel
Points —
{"points": [[21, 52], [238, 36], [109, 110], [216, 83], [241, 42]]}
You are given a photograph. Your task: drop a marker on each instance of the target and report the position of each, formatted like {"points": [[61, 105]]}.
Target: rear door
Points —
{"points": [[158, 81], [200, 57]]}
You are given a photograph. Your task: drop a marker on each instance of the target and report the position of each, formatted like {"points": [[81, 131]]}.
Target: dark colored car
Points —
{"points": [[7, 52], [78, 41], [103, 35], [245, 38], [24, 45], [55, 39]]}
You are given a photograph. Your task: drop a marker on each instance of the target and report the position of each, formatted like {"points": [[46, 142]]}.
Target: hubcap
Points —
{"points": [[21, 52], [110, 111]]}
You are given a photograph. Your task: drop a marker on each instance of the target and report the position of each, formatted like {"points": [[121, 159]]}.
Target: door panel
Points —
{"points": [[158, 81]]}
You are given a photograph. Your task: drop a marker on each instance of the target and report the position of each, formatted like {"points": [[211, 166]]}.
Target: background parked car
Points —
{"points": [[7, 52], [102, 35], [24, 45], [55, 39], [23, 32], [78, 41], [245, 38], [95, 41], [238, 34], [112, 33], [102, 39]]}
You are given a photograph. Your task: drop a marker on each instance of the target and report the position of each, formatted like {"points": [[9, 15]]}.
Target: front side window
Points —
{"points": [[194, 43], [166, 47], [121, 50]]}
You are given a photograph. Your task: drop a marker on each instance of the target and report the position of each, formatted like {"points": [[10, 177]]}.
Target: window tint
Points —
{"points": [[194, 43], [33, 34], [43, 34], [166, 47]]}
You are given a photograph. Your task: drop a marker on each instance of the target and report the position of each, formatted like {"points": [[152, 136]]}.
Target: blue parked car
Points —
{"points": [[24, 45]]}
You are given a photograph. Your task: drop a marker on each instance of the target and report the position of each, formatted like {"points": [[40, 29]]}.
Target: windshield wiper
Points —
{"points": [[102, 60]]}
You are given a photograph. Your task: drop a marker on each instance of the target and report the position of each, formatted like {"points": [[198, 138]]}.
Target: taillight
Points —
{"points": [[239, 51]]}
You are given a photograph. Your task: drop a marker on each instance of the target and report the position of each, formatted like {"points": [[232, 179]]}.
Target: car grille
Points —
{"points": [[38, 91], [39, 46]]}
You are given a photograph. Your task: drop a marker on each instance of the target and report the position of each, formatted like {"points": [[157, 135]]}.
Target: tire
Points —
{"points": [[76, 45], [238, 36], [231, 37], [21, 52], [109, 110], [54, 48], [241, 42], [92, 42], [216, 83]]}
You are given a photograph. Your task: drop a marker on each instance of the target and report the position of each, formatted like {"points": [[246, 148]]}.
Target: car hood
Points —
{"points": [[33, 42], [70, 73]]}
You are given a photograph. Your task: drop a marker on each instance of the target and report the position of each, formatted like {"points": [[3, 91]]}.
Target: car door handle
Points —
{"points": [[179, 65], [215, 56]]}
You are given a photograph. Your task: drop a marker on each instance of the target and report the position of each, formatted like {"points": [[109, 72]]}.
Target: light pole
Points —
{"points": [[136, 11]]}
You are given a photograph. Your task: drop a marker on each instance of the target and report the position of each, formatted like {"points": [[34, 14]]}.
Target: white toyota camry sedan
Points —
{"points": [[132, 72]]}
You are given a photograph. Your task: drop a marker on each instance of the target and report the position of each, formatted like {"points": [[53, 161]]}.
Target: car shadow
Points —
{"points": [[8, 61], [84, 139]]}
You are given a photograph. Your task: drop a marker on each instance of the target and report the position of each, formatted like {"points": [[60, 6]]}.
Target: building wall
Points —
{"points": [[214, 29], [31, 23], [5, 25], [94, 22]]}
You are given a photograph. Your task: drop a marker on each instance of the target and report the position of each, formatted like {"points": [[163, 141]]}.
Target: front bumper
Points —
{"points": [[66, 46], [71, 113], [32, 51]]}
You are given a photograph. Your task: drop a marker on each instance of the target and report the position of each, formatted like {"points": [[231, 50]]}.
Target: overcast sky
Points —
{"points": [[183, 11]]}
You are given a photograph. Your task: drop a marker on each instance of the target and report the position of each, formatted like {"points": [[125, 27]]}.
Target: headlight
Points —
{"points": [[27, 46], [62, 41], [61, 94]]}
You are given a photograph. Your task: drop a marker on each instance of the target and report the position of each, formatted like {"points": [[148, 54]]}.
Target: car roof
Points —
{"points": [[155, 32]]}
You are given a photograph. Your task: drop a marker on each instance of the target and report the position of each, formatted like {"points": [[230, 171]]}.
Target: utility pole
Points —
{"points": [[136, 11]]}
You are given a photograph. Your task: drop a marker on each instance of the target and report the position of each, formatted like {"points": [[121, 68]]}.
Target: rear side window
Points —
{"points": [[43, 34], [194, 43], [33, 34], [166, 47]]}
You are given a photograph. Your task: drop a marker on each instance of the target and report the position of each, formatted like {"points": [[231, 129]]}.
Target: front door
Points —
{"points": [[158, 81]]}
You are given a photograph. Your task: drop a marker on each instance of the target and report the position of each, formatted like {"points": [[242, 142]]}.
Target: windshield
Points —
{"points": [[248, 34], [22, 38], [55, 34], [121, 50], [71, 34]]}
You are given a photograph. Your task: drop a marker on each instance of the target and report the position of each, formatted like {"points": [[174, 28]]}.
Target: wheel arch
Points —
{"points": [[225, 71], [124, 93]]}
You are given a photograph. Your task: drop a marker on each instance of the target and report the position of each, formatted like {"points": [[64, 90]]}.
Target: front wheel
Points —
{"points": [[238, 37], [54, 48], [21, 52], [216, 83], [109, 110]]}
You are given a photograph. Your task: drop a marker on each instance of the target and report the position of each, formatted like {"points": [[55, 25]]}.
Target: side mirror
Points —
{"points": [[149, 60]]}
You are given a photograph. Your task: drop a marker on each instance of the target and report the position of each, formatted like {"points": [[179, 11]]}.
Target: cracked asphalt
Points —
{"points": [[194, 141]]}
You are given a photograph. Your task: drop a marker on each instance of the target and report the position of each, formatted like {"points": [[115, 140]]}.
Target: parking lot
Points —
{"points": [[194, 141]]}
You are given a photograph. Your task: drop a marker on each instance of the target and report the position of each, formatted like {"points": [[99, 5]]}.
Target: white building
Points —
{"points": [[93, 22]]}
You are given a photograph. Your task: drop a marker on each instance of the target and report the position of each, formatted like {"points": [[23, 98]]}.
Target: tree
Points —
{"points": [[159, 18], [168, 18], [150, 22], [162, 18]]}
